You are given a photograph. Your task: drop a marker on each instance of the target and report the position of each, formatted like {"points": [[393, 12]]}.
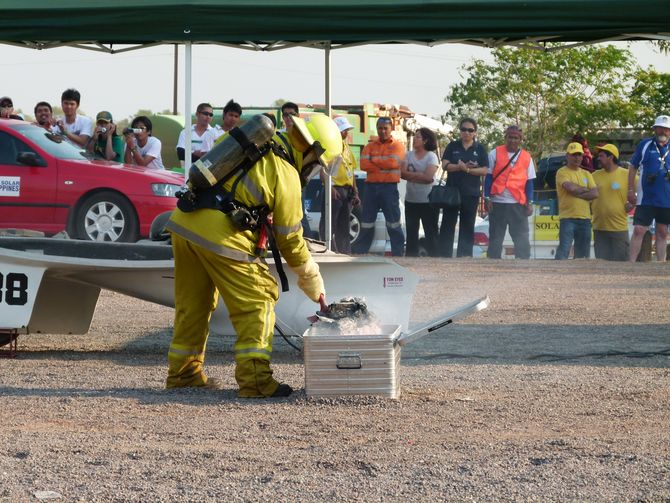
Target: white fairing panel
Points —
{"points": [[71, 273], [19, 284]]}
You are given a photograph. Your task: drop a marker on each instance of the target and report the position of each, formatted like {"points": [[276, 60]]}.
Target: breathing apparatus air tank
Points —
{"points": [[240, 144]]}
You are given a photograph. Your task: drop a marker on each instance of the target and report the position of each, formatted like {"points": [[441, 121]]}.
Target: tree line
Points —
{"points": [[555, 93]]}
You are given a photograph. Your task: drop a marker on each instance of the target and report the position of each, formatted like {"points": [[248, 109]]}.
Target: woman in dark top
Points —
{"points": [[466, 162]]}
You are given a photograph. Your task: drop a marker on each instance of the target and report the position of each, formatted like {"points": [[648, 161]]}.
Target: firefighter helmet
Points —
{"points": [[318, 138]]}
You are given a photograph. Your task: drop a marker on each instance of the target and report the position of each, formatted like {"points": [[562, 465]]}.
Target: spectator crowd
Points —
{"points": [[500, 183]]}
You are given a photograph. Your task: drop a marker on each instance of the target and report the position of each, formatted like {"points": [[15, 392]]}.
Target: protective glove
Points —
{"points": [[310, 280]]}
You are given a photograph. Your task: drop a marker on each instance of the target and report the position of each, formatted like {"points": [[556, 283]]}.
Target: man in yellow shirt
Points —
{"points": [[575, 188], [344, 194], [610, 210]]}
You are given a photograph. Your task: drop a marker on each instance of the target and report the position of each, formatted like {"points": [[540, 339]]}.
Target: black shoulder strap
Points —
{"points": [[510, 161], [284, 151]]}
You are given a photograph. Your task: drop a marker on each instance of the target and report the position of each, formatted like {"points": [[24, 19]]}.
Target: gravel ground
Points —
{"points": [[559, 391]]}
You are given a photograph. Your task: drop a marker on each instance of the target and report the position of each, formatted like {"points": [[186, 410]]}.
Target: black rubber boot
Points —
{"points": [[283, 390]]}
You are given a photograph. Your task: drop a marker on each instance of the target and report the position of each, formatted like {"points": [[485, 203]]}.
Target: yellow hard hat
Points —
{"points": [[317, 137], [317, 128]]}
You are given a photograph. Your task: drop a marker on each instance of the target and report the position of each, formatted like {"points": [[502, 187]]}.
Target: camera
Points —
{"points": [[102, 130], [130, 130], [652, 178]]}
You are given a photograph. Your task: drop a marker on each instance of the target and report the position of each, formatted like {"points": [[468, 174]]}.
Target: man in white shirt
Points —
{"points": [[78, 129], [231, 117], [203, 114]]}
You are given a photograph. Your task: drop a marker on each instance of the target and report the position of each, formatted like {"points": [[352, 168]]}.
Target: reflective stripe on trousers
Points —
{"points": [[249, 292]]}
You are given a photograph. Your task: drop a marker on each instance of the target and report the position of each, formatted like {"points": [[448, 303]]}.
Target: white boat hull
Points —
{"points": [[52, 286]]}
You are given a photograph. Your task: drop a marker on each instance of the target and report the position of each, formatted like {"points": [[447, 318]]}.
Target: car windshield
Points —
{"points": [[54, 144]]}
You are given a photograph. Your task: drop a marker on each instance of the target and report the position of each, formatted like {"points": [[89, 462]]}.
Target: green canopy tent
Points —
{"points": [[272, 24], [268, 25]]}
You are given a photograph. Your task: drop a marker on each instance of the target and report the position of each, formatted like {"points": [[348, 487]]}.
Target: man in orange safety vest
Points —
{"points": [[508, 191]]}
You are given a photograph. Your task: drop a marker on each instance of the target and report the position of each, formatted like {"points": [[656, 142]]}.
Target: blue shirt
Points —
{"points": [[469, 185], [653, 188]]}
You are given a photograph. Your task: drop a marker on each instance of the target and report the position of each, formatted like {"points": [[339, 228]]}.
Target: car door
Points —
{"points": [[27, 187]]}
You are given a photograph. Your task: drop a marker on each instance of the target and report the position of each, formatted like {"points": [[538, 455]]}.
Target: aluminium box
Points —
{"points": [[365, 364], [352, 364]]}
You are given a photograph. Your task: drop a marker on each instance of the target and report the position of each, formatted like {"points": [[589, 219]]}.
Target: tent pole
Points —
{"points": [[175, 73], [329, 180], [187, 108]]}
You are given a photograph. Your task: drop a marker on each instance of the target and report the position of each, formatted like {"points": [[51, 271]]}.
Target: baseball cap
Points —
{"points": [[609, 148], [103, 116], [662, 121], [343, 124], [574, 148]]}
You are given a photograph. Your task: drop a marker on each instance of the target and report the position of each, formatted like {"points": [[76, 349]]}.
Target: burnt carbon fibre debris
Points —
{"points": [[347, 308]]}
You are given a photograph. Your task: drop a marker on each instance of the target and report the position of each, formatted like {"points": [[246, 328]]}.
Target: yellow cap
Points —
{"points": [[574, 148], [609, 148]]}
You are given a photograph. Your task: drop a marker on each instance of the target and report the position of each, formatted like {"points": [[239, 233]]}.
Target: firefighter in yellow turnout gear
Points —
{"points": [[213, 256]]}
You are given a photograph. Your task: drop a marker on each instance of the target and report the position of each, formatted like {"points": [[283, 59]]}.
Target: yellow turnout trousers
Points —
{"points": [[249, 292]]}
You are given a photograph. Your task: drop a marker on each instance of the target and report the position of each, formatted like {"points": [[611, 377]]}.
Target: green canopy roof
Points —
{"points": [[272, 24]]}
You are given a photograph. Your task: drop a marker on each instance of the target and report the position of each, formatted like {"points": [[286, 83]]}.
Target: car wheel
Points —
{"points": [[106, 216], [355, 225]]}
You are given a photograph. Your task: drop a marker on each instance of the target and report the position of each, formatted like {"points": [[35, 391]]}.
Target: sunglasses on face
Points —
{"points": [[7, 104], [208, 114], [467, 130]]}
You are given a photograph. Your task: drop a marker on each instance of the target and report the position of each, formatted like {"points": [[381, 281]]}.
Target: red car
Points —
{"points": [[48, 185]]}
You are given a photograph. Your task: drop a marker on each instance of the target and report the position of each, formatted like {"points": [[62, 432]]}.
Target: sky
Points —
{"points": [[416, 76]]}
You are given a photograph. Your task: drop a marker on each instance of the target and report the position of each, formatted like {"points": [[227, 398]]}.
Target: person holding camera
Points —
{"points": [[466, 161], [74, 128], [105, 144], [652, 201], [7, 109], [142, 149]]}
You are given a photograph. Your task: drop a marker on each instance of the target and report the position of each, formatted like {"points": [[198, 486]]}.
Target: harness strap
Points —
{"points": [[216, 197], [276, 257]]}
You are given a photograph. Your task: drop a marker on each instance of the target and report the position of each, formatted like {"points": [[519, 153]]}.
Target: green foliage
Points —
{"points": [[551, 94], [651, 93], [663, 46], [141, 111]]}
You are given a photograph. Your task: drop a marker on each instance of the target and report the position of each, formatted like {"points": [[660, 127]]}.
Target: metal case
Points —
{"points": [[365, 364], [352, 364]]}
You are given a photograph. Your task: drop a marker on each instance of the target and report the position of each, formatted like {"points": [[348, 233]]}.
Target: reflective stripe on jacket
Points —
{"points": [[382, 161], [514, 178], [271, 181]]}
